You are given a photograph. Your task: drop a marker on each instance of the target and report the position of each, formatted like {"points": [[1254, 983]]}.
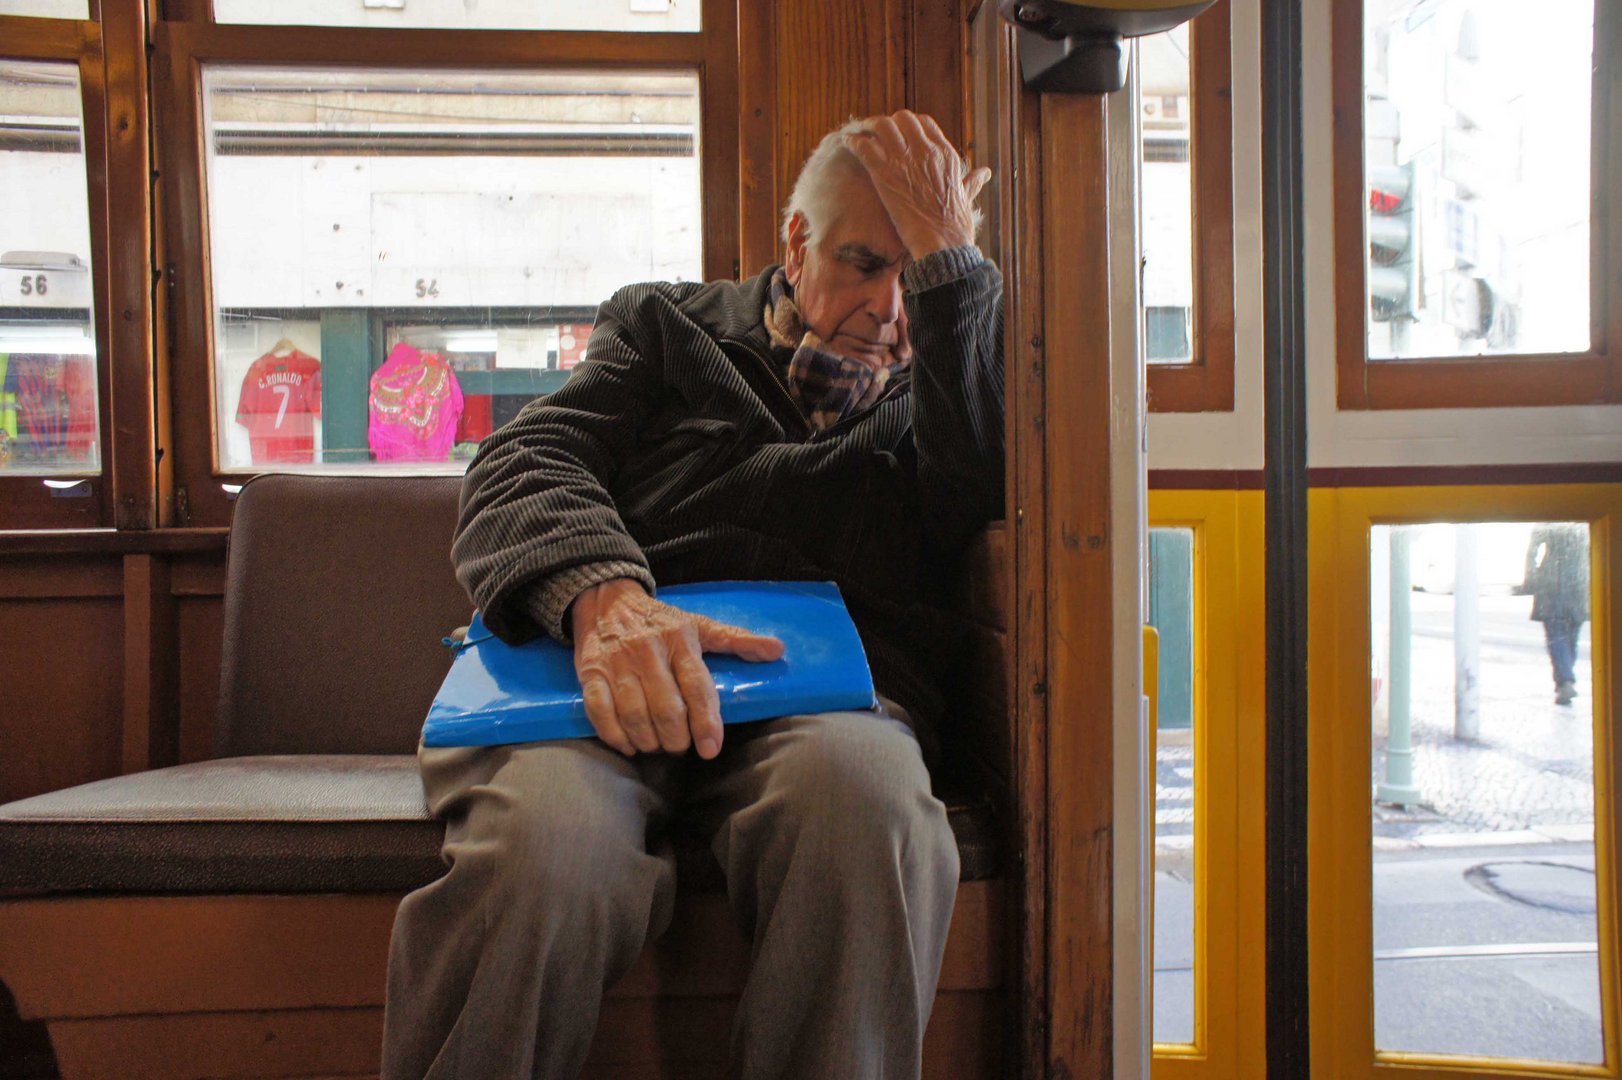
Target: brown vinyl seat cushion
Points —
{"points": [[282, 824], [338, 592]]}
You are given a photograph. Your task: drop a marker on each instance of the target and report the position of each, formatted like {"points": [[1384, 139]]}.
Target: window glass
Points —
{"points": [[1164, 114], [678, 15], [402, 259], [1171, 613], [48, 394], [47, 9], [1476, 123], [1483, 793]]}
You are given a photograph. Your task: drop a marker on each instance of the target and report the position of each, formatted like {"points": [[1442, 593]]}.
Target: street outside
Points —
{"points": [[1484, 908]]}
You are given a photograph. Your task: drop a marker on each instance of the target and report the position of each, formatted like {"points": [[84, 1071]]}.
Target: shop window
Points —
{"points": [[50, 423], [1185, 163], [1472, 250], [400, 259]]}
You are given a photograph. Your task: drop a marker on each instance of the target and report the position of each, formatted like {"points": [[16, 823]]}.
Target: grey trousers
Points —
{"points": [[839, 863]]}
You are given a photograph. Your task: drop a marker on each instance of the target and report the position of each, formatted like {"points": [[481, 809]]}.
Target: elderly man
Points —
{"points": [[837, 418]]}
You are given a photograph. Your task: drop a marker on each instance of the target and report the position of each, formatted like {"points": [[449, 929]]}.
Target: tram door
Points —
{"points": [[1461, 298]]}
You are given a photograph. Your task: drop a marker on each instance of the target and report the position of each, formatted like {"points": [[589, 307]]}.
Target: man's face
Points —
{"points": [[847, 281]]}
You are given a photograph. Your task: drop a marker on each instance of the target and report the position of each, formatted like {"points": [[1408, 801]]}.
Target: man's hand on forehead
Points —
{"points": [[923, 182]]}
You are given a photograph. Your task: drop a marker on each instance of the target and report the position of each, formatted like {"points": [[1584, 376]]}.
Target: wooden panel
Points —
{"points": [[937, 65], [126, 258], [1080, 641], [671, 1037], [151, 735], [1020, 159], [60, 721], [200, 575], [759, 169], [59, 578], [201, 631], [240, 1044], [835, 59], [109, 542], [235, 953]]}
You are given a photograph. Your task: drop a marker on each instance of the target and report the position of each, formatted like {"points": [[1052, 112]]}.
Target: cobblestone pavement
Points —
{"points": [[1531, 767], [1532, 764]]}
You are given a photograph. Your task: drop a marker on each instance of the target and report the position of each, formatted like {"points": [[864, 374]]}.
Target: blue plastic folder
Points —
{"points": [[497, 693]]}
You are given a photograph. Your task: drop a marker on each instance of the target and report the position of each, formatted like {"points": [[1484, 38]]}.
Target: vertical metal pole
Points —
{"points": [[1466, 635], [1285, 442], [1398, 786]]}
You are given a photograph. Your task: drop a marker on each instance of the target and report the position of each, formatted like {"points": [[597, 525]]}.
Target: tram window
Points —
{"points": [[400, 256], [47, 9], [1471, 223], [1167, 201], [1476, 162], [1483, 797], [1185, 164], [49, 406], [1171, 613], [631, 15]]}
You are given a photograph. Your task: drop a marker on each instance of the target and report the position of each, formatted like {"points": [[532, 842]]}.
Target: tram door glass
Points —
{"points": [[1486, 940], [1167, 207], [1477, 128], [47, 9], [49, 411], [1171, 613], [401, 259], [634, 15]]}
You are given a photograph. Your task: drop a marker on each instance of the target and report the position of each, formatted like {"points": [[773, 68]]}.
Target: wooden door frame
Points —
{"points": [[1054, 207]]}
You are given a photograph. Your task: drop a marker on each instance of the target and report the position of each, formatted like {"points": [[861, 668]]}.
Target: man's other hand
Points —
{"points": [[923, 182], [641, 668]]}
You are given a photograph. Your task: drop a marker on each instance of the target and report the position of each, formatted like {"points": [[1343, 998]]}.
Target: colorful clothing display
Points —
{"points": [[415, 404], [54, 398], [281, 398]]}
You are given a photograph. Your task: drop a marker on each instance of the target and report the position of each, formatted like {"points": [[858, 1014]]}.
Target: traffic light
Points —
{"points": [[1393, 238]]}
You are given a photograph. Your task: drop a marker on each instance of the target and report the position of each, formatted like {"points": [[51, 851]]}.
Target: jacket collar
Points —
{"points": [[735, 311]]}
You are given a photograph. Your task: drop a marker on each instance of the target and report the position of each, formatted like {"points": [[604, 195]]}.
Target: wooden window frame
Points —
{"points": [[188, 38], [109, 50], [1205, 383], [1592, 377]]}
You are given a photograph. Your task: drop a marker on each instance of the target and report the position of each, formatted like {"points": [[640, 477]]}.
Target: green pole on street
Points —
{"points": [[1398, 786]]}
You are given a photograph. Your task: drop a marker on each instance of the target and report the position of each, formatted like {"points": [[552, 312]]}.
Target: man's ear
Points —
{"points": [[799, 235]]}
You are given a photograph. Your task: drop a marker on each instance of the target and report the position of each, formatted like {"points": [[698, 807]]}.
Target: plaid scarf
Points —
{"points": [[825, 386]]}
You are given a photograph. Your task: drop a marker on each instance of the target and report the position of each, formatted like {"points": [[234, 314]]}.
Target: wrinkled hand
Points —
{"points": [[925, 185], [642, 670]]}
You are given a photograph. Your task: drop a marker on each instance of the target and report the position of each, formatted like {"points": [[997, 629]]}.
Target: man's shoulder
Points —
{"points": [[726, 309]]}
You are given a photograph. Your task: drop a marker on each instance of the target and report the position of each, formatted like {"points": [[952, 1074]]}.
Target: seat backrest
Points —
{"points": [[338, 592]]}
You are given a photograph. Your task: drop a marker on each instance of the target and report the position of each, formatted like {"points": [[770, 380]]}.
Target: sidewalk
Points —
{"points": [[1527, 778]]}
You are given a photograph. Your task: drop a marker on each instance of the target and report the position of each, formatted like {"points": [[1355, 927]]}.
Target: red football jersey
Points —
{"points": [[281, 397]]}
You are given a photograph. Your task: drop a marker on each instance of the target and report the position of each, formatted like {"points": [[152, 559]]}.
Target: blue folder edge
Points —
{"points": [[497, 693]]}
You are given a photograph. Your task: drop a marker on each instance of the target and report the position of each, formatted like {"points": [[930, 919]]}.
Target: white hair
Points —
{"points": [[817, 189]]}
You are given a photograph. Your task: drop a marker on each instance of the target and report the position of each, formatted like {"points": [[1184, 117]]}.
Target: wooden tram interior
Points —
{"points": [[251, 939], [201, 857]]}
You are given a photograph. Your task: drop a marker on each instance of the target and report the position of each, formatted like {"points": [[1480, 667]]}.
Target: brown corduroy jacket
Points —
{"points": [[675, 447]]}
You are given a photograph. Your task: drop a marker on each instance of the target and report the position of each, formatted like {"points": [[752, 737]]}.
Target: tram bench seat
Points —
{"points": [[231, 916]]}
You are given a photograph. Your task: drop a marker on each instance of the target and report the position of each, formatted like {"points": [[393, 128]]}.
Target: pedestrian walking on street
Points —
{"points": [[1557, 578]]}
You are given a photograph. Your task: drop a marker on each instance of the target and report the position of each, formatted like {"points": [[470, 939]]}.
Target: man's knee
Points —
{"points": [[859, 782], [552, 826]]}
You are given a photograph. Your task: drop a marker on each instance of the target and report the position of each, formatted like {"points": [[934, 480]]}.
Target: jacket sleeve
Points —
{"points": [[954, 315], [535, 509]]}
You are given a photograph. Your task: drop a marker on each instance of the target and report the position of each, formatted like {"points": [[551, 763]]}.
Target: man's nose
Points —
{"points": [[884, 298]]}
